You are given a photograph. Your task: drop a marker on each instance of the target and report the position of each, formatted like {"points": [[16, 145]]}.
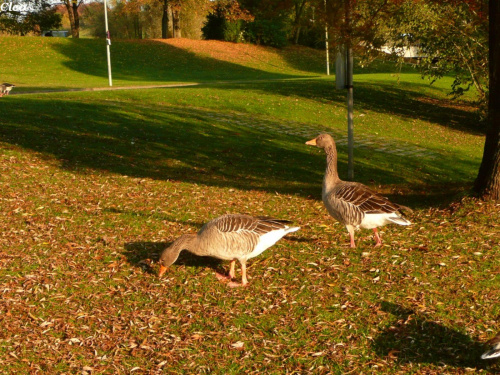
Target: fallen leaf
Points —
{"points": [[238, 345]]}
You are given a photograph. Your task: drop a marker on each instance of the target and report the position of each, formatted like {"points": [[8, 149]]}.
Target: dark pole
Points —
{"points": [[350, 93]]}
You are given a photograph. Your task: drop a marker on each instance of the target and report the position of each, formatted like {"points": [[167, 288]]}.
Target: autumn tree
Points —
{"points": [[361, 24], [452, 36], [225, 21], [176, 17], [271, 25], [461, 37]]}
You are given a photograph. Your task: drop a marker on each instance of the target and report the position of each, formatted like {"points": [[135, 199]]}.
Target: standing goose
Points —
{"points": [[229, 237], [351, 203], [494, 351], [5, 88]]}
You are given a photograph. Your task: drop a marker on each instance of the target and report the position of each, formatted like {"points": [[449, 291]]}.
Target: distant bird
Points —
{"points": [[494, 352], [351, 203], [229, 237], [5, 88]]}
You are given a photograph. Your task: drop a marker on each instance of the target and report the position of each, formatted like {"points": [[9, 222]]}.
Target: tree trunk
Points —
{"points": [[297, 35], [70, 15], [75, 32], [74, 18], [488, 180], [164, 20], [299, 7], [176, 23], [137, 27]]}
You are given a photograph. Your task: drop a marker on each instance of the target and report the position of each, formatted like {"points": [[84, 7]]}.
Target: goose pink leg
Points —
{"points": [[378, 241], [244, 280], [232, 273], [350, 229]]}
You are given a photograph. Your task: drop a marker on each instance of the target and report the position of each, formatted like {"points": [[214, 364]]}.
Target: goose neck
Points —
{"points": [[331, 174], [185, 242]]}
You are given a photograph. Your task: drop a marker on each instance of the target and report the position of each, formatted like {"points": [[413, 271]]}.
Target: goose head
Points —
{"points": [[171, 253], [167, 258], [323, 140]]}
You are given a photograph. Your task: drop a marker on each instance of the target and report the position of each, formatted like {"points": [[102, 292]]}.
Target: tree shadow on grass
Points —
{"points": [[151, 61], [406, 101], [415, 339], [154, 61], [184, 144]]}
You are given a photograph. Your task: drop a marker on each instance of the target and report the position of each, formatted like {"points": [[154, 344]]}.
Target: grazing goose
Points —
{"points": [[354, 204], [229, 237], [5, 88], [494, 352]]}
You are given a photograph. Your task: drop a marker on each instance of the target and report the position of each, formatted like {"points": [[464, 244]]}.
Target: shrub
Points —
{"points": [[268, 32], [214, 27], [226, 21], [233, 31]]}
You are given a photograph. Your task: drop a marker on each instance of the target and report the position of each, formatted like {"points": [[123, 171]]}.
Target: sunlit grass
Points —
{"points": [[55, 63], [96, 184]]}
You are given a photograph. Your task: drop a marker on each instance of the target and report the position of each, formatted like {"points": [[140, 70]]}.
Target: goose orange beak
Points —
{"points": [[163, 269], [312, 142]]}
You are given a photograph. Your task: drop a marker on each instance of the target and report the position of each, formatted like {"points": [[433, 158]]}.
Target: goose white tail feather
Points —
{"points": [[490, 354], [399, 220]]}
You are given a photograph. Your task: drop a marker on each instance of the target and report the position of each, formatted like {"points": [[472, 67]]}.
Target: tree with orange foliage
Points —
{"points": [[171, 12]]}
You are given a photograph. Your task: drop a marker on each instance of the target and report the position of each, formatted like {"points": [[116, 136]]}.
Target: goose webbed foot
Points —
{"points": [[223, 278], [232, 273], [244, 280], [234, 284]]}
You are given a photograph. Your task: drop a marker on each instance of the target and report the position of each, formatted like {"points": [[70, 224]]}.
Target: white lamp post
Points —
{"points": [[108, 42]]}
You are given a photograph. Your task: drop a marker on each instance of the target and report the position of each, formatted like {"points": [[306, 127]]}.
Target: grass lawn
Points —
{"points": [[62, 63], [96, 184]]}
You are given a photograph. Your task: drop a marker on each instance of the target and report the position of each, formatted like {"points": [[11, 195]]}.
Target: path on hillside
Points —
{"points": [[112, 88], [307, 130], [170, 85]]}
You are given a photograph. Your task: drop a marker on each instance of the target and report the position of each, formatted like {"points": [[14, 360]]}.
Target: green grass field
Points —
{"points": [[94, 185], [59, 63]]}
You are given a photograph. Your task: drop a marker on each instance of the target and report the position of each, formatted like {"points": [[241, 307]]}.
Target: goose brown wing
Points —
{"points": [[362, 197], [245, 223]]}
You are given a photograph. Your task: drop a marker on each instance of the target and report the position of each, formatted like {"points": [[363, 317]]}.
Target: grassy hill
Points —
{"points": [[96, 184], [76, 63]]}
